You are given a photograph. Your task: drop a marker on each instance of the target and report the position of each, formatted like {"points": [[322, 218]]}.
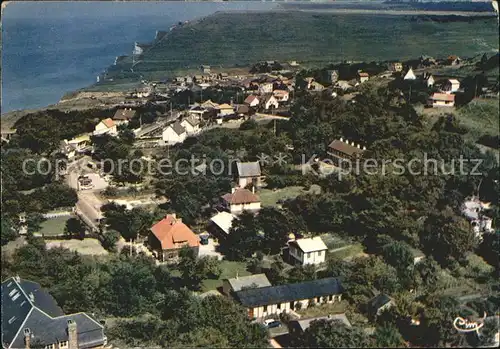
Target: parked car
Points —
{"points": [[272, 323]]}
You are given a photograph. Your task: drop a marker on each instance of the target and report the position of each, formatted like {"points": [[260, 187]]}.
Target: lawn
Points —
{"points": [[86, 246], [270, 197], [324, 309], [54, 226], [229, 270], [346, 252]]}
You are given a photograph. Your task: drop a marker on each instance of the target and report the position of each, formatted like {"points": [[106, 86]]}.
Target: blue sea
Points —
{"points": [[50, 48]]}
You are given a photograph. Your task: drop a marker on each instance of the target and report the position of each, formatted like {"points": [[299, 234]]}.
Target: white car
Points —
{"points": [[268, 321]]}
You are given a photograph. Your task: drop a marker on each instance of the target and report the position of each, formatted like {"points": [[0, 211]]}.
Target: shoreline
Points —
{"points": [[16, 114]]}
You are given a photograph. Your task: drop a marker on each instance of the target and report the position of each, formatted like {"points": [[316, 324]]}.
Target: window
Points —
{"points": [[330, 297], [265, 308], [279, 305], [63, 344], [50, 346], [319, 253], [308, 254]]}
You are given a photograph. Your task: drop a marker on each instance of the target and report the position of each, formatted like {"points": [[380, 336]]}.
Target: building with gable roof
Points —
{"points": [[241, 199], [191, 124], [173, 134], [31, 315], [105, 126], [307, 251], [123, 116], [249, 173], [243, 282], [342, 152], [169, 236]]}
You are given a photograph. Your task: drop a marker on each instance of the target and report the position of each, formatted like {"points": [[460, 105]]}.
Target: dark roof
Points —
{"points": [[378, 301], [248, 169], [178, 128], [242, 109], [124, 114], [286, 293], [344, 147], [26, 305], [303, 324]]}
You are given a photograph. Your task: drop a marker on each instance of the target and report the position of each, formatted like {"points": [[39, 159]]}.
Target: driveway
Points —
{"points": [[209, 250]]}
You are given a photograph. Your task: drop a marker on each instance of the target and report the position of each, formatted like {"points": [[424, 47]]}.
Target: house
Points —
{"points": [[395, 67], [197, 111], [191, 125], [210, 105], [226, 109], [418, 256], [307, 251], [242, 110], [269, 102], [281, 95], [252, 101], [429, 80], [205, 69], [242, 282], [173, 134], [266, 88], [301, 325], [81, 142], [309, 80], [169, 236], [67, 149], [332, 76], [123, 116], [362, 77], [343, 85], [453, 60], [273, 300], [316, 86], [249, 173], [441, 100], [31, 315], [220, 224], [410, 75], [106, 126], [343, 152], [473, 209], [451, 85], [241, 199], [378, 304]]}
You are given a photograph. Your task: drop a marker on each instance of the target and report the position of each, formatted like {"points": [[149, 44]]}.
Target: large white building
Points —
{"points": [[307, 251], [173, 134]]}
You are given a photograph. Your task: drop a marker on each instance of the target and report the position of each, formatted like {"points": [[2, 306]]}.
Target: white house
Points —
{"points": [[270, 102], [249, 173], [450, 86], [80, 142], [266, 88], [281, 95], [410, 75], [106, 126], [252, 101], [191, 125], [261, 302], [174, 133], [429, 80], [241, 282], [473, 209], [225, 109], [362, 77], [241, 199], [441, 100], [307, 251]]}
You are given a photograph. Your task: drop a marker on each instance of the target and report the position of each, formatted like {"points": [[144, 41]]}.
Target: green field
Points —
{"points": [[270, 197], [229, 270], [53, 226], [241, 38]]}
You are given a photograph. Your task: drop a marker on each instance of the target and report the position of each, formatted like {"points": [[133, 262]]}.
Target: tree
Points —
{"points": [[388, 336], [74, 228], [8, 232], [109, 240], [446, 237], [332, 334]]}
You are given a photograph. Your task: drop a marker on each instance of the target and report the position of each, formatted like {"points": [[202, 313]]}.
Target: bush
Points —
{"points": [[248, 125]]}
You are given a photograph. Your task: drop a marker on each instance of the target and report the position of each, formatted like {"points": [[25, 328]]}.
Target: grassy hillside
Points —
{"points": [[231, 39]]}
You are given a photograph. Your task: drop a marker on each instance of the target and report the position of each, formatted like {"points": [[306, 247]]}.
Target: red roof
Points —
{"points": [[172, 233], [363, 74], [250, 99], [443, 97], [241, 196], [108, 122]]}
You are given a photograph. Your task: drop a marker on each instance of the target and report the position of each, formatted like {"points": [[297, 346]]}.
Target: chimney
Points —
{"points": [[17, 278], [253, 189], [32, 297], [364, 148], [27, 338], [233, 189], [72, 335], [341, 139], [236, 274], [352, 143], [358, 146]]}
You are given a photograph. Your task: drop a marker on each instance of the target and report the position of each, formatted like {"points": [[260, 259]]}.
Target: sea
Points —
{"points": [[50, 48]]}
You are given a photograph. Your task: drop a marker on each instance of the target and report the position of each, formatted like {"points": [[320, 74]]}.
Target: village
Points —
{"points": [[179, 111]]}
